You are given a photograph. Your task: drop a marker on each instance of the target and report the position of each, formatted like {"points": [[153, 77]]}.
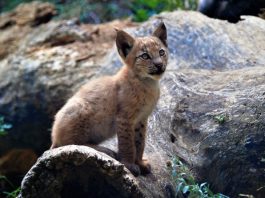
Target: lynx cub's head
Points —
{"points": [[146, 56]]}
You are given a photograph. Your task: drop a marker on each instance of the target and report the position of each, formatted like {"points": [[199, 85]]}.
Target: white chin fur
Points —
{"points": [[155, 77]]}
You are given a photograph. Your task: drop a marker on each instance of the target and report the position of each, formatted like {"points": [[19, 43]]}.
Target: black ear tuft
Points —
{"points": [[161, 33], [124, 43]]}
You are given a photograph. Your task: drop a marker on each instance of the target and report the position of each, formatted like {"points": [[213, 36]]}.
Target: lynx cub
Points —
{"points": [[118, 104]]}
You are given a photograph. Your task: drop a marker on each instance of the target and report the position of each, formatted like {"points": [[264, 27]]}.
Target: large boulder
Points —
{"points": [[79, 171], [210, 113], [216, 123]]}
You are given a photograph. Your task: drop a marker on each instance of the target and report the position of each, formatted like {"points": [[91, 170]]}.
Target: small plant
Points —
{"points": [[13, 194], [143, 9], [3, 126], [2, 177], [220, 118], [102, 11], [186, 186]]}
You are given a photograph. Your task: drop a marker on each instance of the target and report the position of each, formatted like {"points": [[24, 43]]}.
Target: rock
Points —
{"points": [[16, 25], [11, 39], [79, 171], [210, 113], [199, 42], [31, 14], [59, 34], [217, 120]]}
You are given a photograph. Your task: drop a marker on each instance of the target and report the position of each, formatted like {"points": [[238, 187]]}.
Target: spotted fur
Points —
{"points": [[118, 104]]}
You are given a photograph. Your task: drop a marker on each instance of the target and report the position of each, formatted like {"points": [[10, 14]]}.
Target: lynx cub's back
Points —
{"points": [[118, 104]]}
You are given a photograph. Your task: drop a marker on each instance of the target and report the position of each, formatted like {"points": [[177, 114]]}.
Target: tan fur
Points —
{"points": [[117, 104]]}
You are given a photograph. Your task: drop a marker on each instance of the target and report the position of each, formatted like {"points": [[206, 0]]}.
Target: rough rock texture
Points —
{"points": [[218, 124], [79, 171], [17, 24], [211, 110], [31, 14]]}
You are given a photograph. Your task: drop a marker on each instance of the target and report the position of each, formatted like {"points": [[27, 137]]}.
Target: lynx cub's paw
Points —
{"points": [[133, 168], [145, 167]]}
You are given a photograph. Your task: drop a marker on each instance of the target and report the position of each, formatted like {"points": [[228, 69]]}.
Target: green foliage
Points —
{"points": [[12, 194], [186, 184], [9, 5], [143, 9], [3, 126], [98, 12], [2, 177], [85, 10], [220, 118]]}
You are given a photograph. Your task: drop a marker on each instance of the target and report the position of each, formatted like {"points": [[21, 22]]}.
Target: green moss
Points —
{"points": [[221, 119], [12, 194]]}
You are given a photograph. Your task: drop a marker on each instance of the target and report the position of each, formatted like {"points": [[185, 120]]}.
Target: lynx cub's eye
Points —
{"points": [[161, 52], [145, 56]]}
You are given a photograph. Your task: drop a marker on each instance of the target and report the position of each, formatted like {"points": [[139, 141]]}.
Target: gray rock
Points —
{"points": [[198, 42], [217, 121], [79, 171], [33, 89]]}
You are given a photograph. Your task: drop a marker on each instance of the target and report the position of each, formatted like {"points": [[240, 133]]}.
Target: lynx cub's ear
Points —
{"points": [[161, 33], [124, 43]]}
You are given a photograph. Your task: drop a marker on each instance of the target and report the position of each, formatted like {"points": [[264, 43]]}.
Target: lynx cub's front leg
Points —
{"points": [[126, 145], [140, 134]]}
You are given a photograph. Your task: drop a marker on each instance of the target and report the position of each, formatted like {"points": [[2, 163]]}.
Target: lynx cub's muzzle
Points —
{"points": [[159, 69]]}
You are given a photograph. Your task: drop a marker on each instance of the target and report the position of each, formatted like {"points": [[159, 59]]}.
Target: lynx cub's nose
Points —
{"points": [[159, 66], [160, 69]]}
